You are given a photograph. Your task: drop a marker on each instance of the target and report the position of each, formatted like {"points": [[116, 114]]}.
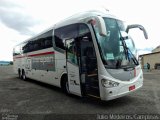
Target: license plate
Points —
{"points": [[132, 87]]}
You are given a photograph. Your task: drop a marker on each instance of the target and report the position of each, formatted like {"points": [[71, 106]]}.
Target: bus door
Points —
{"points": [[88, 67], [82, 67], [73, 67]]}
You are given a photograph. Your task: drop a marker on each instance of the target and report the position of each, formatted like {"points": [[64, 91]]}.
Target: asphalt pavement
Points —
{"points": [[34, 100]]}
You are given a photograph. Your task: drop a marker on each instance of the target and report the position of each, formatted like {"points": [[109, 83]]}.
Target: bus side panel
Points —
{"points": [[60, 65], [16, 64], [42, 66]]}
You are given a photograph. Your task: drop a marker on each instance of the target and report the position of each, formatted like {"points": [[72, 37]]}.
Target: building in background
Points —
{"points": [[152, 58], [157, 49]]}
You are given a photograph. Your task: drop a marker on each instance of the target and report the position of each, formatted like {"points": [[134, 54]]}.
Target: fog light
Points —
{"points": [[109, 83]]}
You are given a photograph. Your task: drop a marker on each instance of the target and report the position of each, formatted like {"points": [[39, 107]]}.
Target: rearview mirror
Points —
{"points": [[99, 21], [137, 26], [101, 26]]}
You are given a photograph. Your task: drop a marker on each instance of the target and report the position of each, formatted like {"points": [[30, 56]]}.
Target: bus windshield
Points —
{"points": [[116, 50]]}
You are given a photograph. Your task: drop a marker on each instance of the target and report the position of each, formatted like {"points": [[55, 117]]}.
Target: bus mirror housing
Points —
{"points": [[138, 26], [101, 26], [99, 21]]}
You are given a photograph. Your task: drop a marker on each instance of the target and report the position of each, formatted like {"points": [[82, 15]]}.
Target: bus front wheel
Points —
{"points": [[64, 85]]}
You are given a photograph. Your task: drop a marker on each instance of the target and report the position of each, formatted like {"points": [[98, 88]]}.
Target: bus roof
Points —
{"points": [[77, 18]]}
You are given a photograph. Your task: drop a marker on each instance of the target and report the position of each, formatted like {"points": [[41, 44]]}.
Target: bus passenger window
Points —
{"points": [[71, 51]]}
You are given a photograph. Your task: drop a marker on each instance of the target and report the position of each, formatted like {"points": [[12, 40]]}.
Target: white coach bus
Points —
{"points": [[88, 54]]}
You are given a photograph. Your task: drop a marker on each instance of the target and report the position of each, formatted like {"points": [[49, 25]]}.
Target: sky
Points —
{"points": [[22, 19]]}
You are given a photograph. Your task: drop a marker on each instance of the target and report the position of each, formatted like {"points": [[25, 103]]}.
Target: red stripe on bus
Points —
{"points": [[39, 54], [18, 57], [32, 55]]}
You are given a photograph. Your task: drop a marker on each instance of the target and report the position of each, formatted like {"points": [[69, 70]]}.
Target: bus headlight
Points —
{"points": [[109, 83]]}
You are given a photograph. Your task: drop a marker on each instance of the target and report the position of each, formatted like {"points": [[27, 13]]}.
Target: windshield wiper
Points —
{"points": [[125, 47], [133, 57], [128, 53]]}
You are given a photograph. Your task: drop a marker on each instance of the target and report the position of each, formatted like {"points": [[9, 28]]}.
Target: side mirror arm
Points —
{"points": [[100, 23], [138, 26]]}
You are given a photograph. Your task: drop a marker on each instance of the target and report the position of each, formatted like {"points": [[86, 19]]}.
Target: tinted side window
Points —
{"points": [[25, 48], [44, 41], [83, 29], [48, 42], [63, 33], [41, 42]]}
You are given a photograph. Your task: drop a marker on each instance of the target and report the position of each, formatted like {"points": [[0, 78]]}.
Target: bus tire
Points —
{"points": [[64, 84], [23, 75], [19, 73]]}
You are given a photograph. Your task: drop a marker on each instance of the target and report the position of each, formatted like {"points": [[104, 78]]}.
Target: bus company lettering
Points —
{"points": [[43, 63]]}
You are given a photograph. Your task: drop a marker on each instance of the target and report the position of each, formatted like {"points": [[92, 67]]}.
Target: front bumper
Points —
{"points": [[122, 90]]}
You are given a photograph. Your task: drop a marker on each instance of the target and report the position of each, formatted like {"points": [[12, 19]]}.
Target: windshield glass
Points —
{"points": [[130, 44], [115, 49]]}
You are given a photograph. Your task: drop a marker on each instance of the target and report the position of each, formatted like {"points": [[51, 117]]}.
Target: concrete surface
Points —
{"points": [[34, 100]]}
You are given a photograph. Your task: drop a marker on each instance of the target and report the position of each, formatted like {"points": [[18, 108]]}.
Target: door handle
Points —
{"points": [[72, 75], [75, 83]]}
